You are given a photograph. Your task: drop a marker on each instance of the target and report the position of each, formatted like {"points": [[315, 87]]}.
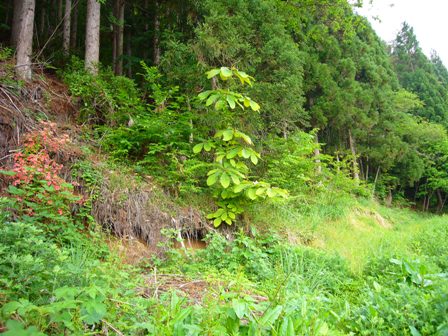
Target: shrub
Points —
{"points": [[38, 194], [105, 98]]}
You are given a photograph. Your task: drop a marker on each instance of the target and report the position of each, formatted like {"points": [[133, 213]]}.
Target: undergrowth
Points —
{"points": [[321, 262], [58, 277]]}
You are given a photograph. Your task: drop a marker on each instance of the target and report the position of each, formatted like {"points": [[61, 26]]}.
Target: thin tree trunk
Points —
{"points": [[74, 26], [43, 11], [429, 203], [16, 22], [214, 83], [353, 150], [67, 22], [25, 41], [8, 10], [156, 39], [444, 202], [145, 50], [114, 41], [92, 54], [120, 40], [440, 201], [375, 181], [361, 168], [389, 198], [118, 36], [60, 10], [317, 155], [129, 51], [191, 138], [417, 186]]}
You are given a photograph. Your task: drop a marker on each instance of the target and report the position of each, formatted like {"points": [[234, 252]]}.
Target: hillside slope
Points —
{"points": [[332, 266]]}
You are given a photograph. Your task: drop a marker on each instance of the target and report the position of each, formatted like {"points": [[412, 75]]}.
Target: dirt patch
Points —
{"points": [[157, 284], [131, 251], [194, 289]]}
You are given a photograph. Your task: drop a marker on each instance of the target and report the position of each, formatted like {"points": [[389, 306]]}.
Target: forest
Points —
{"points": [[219, 167]]}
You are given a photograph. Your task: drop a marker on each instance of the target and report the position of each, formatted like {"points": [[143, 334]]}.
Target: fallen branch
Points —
{"points": [[112, 327]]}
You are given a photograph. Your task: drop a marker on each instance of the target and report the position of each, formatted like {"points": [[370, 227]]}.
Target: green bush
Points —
{"points": [[105, 98]]}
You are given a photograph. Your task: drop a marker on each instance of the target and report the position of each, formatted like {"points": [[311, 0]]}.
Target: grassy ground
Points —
{"points": [[357, 230]]}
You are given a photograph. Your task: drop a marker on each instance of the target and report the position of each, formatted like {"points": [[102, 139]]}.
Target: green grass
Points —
{"points": [[354, 229]]}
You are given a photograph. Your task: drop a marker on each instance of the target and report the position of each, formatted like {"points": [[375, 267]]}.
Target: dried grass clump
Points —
{"points": [[136, 209]]}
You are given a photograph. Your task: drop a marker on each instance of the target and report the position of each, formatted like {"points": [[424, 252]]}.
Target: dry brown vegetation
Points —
{"points": [[138, 209]]}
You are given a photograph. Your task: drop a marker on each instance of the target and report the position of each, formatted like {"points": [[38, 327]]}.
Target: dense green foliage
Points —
{"points": [[289, 118], [317, 66], [303, 291]]}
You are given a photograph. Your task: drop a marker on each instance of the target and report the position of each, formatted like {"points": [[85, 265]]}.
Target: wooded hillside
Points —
{"points": [[318, 68], [231, 167]]}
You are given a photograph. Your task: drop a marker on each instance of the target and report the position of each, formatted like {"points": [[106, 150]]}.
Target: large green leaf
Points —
{"points": [[227, 135], [212, 73], [239, 307], [217, 222], [212, 179], [224, 180], [271, 315], [7, 172], [231, 101], [245, 153], [251, 194], [208, 146], [287, 327], [239, 188], [93, 311], [235, 178], [225, 73], [204, 95], [232, 153], [211, 99], [220, 104], [198, 148], [254, 159], [254, 106]]}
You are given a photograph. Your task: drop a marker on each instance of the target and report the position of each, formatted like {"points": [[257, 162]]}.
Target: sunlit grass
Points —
{"points": [[356, 230]]}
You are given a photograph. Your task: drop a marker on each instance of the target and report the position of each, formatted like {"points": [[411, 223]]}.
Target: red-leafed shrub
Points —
{"points": [[38, 193]]}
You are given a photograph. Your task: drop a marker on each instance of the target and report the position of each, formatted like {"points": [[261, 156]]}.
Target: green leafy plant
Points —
{"points": [[103, 99], [231, 148]]}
